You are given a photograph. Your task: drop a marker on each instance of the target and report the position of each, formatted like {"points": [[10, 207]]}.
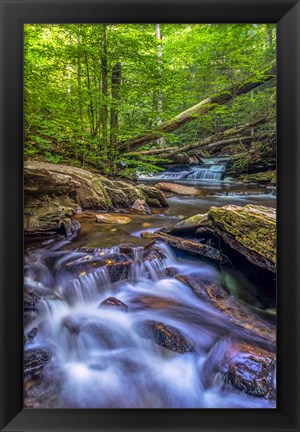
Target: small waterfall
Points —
{"points": [[208, 172], [211, 169]]}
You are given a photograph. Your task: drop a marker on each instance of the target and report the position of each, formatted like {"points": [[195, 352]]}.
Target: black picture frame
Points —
{"points": [[286, 13]]}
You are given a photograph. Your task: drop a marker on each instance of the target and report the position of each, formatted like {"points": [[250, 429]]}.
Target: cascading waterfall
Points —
{"points": [[212, 169], [208, 172], [100, 356]]}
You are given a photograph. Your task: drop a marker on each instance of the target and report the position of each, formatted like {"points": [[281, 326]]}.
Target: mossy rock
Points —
{"points": [[251, 230], [195, 221], [265, 177], [54, 192]]}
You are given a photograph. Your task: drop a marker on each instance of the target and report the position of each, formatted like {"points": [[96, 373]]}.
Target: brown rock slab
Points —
{"points": [[178, 189], [192, 246], [108, 218]]}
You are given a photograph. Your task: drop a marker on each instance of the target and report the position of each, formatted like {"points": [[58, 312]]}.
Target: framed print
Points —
{"points": [[149, 215]]}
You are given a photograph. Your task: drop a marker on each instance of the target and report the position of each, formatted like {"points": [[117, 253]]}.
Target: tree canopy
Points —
{"points": [[89, 88]]}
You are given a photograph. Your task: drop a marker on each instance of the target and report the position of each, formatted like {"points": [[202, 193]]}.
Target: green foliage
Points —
{"points": [[133, 164], [65, 102]]}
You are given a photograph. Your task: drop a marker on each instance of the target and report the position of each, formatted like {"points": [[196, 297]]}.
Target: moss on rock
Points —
{"points": [[250, 230], [264, 177], [53, 192]]}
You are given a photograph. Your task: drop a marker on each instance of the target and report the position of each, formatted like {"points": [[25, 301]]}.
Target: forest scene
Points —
{"points": [[150, 216]]}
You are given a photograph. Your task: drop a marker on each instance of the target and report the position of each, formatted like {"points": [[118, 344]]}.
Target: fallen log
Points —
{"points": [[169, 151], [201, 108], [238, 140]]}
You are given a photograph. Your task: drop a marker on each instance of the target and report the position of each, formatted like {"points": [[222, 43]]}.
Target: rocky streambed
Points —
{"points": [[139, 301]]}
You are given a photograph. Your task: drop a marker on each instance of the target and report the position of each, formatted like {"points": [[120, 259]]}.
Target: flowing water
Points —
{"points": [[101, 356], [211, 169]]}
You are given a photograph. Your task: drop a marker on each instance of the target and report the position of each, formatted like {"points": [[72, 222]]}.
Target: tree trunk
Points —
{"points": [[201, 108], [237, 140], [91, 106], [103, 144], [114, 121], [80, 93], [159, 61], [169, 151]]}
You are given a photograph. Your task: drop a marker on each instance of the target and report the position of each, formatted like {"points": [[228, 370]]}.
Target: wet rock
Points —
{"points": [[114, 303], [30, 299], [178, 189], [69, 227], [73, 323], [168, 336], [135, 245], [85, 265], [35, 360], [88, 250], [29, 317], [245, 367], [141, 207], [253, 373], [108, 218], [32, 334], [154, 302], [192, 246], [100, 333], [118, 266], [154, 254], [172, 271], [238, 312]]}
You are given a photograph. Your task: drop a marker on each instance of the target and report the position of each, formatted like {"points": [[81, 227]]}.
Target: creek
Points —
{"points": [[102, 357]]}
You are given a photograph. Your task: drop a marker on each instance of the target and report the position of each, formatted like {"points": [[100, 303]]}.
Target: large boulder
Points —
{"points": [[251, 230], [54, 192]]}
